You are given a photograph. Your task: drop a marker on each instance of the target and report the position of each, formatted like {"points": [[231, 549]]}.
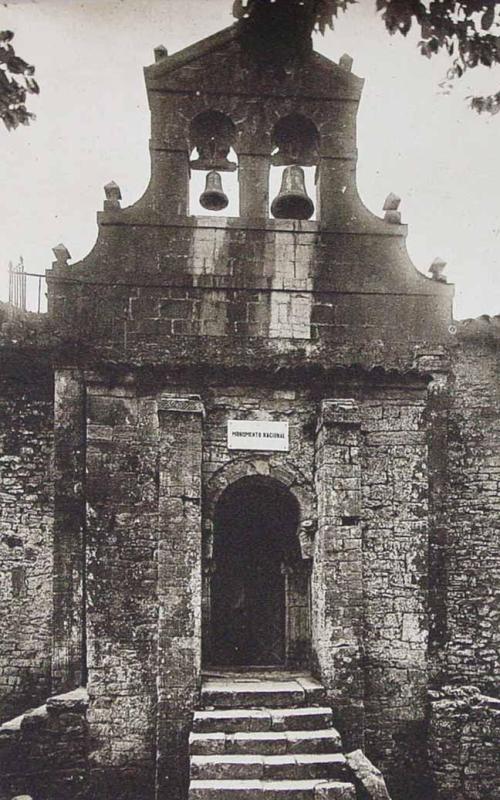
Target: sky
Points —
{"points": [[415, 138]]}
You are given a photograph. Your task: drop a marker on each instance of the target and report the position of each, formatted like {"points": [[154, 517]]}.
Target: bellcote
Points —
{"points": [[211, 110]]}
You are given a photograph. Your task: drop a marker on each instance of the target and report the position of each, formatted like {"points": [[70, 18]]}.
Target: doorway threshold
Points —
{"points": [[255, 673], [260, 688]]}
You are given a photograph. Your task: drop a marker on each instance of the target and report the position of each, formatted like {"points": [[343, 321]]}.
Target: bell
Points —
{"points": [[292, 202], [213, 198]]}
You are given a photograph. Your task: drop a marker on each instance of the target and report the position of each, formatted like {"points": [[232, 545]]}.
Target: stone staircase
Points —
{"points": [[268, 739]]}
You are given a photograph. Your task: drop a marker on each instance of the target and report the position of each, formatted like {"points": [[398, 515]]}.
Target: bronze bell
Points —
{"points": [[213, 198], [292, 202]]}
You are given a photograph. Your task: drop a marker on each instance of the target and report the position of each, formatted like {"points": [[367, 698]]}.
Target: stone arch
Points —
{"points": [[295, 140], [213, 162], [291, 477], [213, 134]]}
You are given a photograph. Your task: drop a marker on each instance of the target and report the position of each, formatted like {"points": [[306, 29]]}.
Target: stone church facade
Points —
{"points": [[144, 553]]}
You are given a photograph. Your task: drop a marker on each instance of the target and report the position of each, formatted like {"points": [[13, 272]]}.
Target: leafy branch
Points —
{"points": [[279, 31], [16, 82]]}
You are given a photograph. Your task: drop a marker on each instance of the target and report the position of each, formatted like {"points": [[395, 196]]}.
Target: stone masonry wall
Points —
{"points": [[122, 608], [258, 402], [224, 281], [472, 643], [464, 741], [25, 541], [395, 543]]}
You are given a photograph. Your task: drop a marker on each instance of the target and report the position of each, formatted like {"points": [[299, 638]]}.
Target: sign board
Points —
{"points": [[246, 434]]}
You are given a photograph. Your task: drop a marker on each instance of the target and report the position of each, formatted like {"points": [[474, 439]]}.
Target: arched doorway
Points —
{"points": [[259, 584]]}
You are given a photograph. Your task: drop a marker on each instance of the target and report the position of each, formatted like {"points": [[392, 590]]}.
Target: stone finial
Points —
{"points": [[113, 195], [391, 206], [112, 191], [392, 202], [62, 254], [437, 268], [160, 53], [345, 62]]}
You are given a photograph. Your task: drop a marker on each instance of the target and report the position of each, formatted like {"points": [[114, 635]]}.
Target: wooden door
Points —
{"points": [[248, 607], [255, 609]]}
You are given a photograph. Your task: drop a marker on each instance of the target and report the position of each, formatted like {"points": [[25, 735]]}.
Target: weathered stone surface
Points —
{"points": [[301, 718], [317, 741], [464, 742], [254, 790], [26, 521], [472, 544], [334, 791], [45, 751], [201, 744], [265, 742], [367, 776], [247, 693], [321, 765], [232, 720], [77, 700], [226, 767]]}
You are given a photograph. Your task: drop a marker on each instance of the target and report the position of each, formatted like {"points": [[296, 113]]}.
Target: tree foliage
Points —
{"points": [[16, 82], [279, 31]]}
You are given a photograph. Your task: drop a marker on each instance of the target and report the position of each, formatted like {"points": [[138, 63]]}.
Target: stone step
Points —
{"points": [[265, 742], [254, 693], [302, 766], [270, 790], [272, 719]]}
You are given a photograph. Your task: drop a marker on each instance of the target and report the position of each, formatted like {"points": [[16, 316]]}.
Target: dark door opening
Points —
{"points": [[255, 542]]}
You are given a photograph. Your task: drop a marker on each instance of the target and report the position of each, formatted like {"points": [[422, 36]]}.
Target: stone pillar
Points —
{"points": [[253, 177], [69, 525], [337, 194], [179, 587], [337, 593], [169, 180]]}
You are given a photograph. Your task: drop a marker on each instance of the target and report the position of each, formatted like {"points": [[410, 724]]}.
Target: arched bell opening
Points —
{"points": [[294, 159], [256, 583], [213, 185]]}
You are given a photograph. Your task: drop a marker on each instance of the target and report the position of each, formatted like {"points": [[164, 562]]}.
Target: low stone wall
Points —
{"points": [[44, 752], [464, 742]]}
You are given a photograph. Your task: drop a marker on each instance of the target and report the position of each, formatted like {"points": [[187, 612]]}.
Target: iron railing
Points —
{"points": [[26, 288]]}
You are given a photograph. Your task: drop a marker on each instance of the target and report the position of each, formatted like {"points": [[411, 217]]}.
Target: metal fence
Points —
{"points": [[27, 290]]}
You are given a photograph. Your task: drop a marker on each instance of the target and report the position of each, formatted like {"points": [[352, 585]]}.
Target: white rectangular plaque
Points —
{"points": [[246, 434]]}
